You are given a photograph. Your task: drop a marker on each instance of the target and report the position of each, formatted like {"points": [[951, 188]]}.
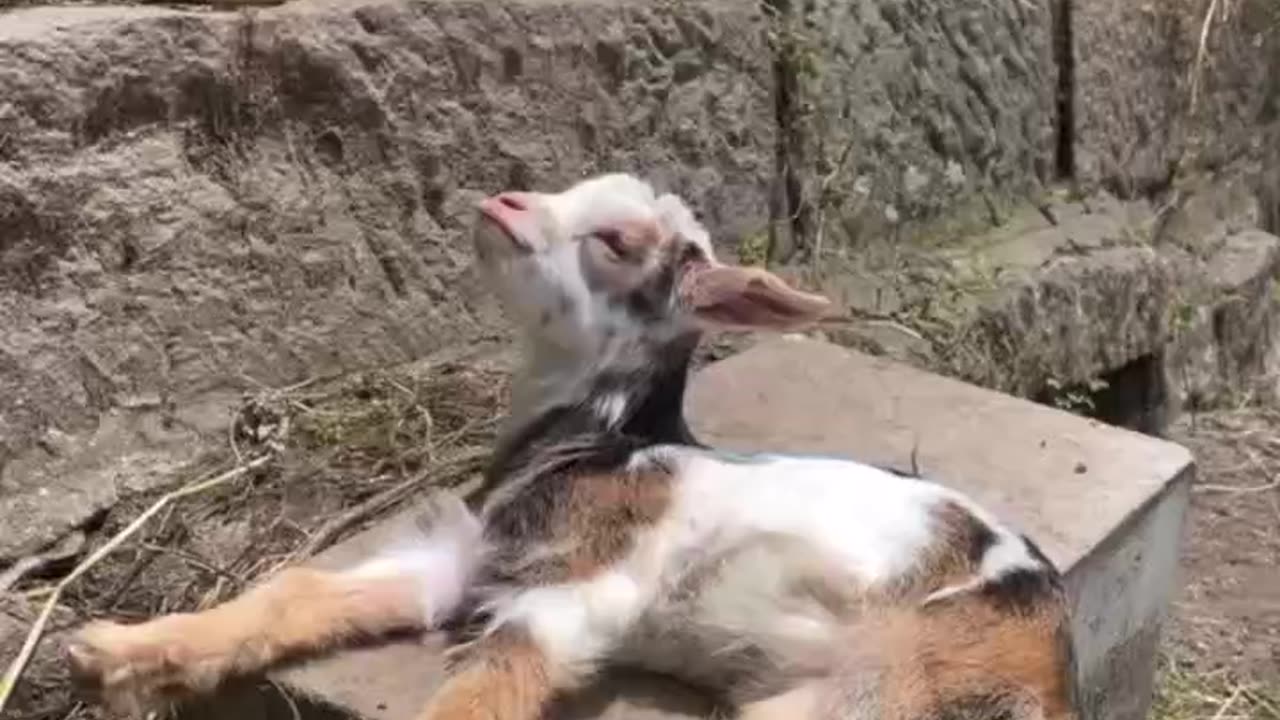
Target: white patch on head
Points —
{"points": [[441, 560], [547, 291], [600, 199], [677, 219]]}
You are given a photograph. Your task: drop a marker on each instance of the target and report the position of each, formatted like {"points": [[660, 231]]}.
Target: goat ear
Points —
{"points": [[730, 297]]}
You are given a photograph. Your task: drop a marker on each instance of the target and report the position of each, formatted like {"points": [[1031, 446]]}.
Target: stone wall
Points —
{"points": [[196, 203], [905, 113], [1149, 101]]}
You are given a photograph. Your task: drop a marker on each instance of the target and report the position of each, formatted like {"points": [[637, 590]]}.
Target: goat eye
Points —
{"points": [[613, 240]]}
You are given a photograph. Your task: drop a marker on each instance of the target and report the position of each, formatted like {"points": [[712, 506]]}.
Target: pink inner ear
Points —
{"points": [[741, 297]]}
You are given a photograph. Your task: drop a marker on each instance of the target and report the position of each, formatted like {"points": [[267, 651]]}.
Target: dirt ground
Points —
{"points": [[342, 454], [1223, 644], [346, 452]]}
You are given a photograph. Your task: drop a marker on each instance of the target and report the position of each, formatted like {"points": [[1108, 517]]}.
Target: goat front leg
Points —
{"points": [[142, 667], [503, 676]]}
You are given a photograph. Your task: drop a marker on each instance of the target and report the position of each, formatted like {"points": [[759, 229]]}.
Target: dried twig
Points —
{"points": [[1235, 695], [12, 675], [63, 550], [288, 698], [1239, 490], [1202, 51], [1261, 700]]}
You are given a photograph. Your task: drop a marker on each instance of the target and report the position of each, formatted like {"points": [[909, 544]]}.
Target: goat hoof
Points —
{"points": [[129, 666]]}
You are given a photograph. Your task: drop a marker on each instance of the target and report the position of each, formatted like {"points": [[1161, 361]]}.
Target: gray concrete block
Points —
{"points": [[1105, 504]]}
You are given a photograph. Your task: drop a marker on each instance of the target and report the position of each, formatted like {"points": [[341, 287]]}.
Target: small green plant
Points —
{"points": [[753, 249], [1076, 399], [1182, 316]]}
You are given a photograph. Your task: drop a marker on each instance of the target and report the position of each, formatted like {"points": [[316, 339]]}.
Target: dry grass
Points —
{"points": [[1183, 694], [344, 453], [182, 4]]}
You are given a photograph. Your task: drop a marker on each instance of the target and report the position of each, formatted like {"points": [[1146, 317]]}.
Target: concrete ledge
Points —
{"points": [[1105, 504]]}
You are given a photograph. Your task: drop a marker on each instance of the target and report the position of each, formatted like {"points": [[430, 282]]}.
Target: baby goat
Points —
{"points": [[799, 588]]}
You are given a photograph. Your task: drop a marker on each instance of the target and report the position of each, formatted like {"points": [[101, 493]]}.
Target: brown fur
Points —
{"points": [[585, 524], [605, 512], [953, 558], [503, 677], [296, 612], [965, 660], [967, 657]]}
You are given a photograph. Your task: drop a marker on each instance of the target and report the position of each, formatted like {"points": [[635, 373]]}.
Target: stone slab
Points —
{"points": [[1104, 503]]}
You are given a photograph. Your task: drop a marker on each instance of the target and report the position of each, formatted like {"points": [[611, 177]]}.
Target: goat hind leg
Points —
{"points": [[504, 676], [138, 668]]}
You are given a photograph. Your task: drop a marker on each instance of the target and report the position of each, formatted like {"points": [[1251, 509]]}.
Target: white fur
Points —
{"points": [[533, 286], [578, 624], [873, 522], [869, 522], [611, 407], [441, 562], [1009, 553]]}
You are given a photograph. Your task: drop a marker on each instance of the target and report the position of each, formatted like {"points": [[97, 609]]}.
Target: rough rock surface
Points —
{"points": [[1110, 309], [1136, 68], [905, 112], [197, 203], [1225, 349]]}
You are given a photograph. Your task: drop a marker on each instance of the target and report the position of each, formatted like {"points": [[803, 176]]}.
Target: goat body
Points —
{"points": [[797, 587]]}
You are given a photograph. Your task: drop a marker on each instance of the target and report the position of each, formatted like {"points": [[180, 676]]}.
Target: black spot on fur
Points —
{"points": [[520, 525], [1036, 552], [981, 538], [652, 300], [545, 318], [654, 415], [1021, 590]]}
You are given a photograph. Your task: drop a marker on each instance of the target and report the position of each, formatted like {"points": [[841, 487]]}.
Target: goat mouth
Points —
{"points": [[501, 223]]}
